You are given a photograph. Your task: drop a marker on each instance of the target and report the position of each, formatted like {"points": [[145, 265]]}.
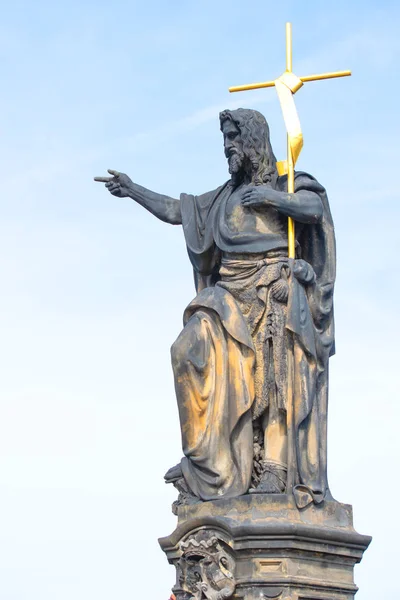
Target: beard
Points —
{"points": [[235, 162]]}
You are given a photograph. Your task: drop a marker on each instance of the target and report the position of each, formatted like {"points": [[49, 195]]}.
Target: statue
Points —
{"points": [[230, 361], [256, 518]]}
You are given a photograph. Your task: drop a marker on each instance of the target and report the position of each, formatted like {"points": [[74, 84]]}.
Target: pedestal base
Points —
{"points": [[263, 546]]}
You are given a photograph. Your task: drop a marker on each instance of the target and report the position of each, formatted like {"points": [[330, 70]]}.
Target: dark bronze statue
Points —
{"points": [[254, 307]]}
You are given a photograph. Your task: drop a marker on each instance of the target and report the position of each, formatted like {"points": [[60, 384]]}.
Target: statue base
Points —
{"points": [[262, 546]]}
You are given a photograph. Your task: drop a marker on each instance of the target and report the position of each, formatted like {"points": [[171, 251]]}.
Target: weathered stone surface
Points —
{"points": [[275, 550], [255, 516], [251, 363]]}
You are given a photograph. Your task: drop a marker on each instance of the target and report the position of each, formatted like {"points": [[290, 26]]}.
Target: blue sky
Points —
{"points": [[94, 287]]}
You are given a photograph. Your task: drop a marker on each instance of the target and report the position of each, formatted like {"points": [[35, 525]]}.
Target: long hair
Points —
{"points": [[254, 132]]}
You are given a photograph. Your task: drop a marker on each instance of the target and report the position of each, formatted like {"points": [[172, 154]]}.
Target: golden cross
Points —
{"points": [[287, 85]]}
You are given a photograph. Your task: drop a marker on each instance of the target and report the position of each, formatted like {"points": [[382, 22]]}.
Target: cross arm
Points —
{"points": [[266, 84]]}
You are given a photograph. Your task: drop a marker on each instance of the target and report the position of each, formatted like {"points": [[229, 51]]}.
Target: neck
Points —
{"points": [[242, 178], [247, 179]]}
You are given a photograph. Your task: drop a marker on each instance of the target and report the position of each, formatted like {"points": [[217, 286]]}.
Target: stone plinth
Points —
{"points": [[261, 547]]}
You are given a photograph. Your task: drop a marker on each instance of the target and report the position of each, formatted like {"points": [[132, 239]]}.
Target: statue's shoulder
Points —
{"points": [[206, 199], [302, 181]]}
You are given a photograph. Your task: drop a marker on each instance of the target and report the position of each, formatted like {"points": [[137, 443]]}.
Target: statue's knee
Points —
{"points": [[176, 351], [185, 342], [179, 349]]}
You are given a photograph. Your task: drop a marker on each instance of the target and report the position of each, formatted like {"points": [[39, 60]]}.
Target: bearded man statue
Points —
{"points": [[254, 308]]}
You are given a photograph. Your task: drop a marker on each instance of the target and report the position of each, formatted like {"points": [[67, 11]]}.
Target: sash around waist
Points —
{"points": [[235, 265], [264, 258]]}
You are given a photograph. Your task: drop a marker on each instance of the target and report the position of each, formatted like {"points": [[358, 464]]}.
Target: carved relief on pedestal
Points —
{"points": [[206, 567]]}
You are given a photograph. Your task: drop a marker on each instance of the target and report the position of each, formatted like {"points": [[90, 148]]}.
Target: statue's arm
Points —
{"points": [[303, 206], [163, 207]]}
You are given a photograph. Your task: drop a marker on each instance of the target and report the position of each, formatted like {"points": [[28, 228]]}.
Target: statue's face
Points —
{"points": [[233, 146]]}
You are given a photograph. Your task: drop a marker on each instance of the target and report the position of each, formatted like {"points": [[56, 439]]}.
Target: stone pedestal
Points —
{"points": [[261, 547]]}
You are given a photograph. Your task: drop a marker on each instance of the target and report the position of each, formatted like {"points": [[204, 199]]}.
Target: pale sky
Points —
{"points": [[93, 287]]}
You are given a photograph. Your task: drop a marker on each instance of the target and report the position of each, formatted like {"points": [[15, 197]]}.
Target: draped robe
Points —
{"points": [[217, 359]]}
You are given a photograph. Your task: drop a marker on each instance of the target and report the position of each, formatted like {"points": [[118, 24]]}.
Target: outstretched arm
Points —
{"points": [[163, 207], [303, 206]]}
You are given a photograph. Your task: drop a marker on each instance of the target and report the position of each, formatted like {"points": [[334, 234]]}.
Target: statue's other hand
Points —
{"points": [[118, 185], [254, 196], [303, 272]]}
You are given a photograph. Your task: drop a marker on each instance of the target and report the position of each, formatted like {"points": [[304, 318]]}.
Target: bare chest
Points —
{"points": [[241, 218]]}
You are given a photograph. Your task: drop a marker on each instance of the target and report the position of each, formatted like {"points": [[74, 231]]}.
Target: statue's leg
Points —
{"points": [[273, 479], [275, 436], [213, 383]]}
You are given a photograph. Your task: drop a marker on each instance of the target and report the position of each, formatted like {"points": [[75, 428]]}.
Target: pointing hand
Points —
{"points": [[118, 185]]}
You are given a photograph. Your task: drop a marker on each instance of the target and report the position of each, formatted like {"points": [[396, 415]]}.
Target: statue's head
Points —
{"points": [[247, 145]]}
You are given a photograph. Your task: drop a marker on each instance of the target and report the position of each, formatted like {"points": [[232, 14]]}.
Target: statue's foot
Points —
{"points": [[173, 474], [185, 497], [272, 481]]}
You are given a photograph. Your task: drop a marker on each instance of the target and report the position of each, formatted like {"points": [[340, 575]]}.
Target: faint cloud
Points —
{"points": [[51, 168], [190, 122]]}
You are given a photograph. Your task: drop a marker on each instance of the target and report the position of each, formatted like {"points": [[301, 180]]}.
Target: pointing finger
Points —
{"points": [[115, 173], [103, 179]]}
